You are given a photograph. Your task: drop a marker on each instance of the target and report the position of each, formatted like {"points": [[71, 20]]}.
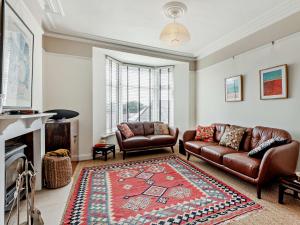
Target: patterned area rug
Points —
{"points": [[161, 191]]}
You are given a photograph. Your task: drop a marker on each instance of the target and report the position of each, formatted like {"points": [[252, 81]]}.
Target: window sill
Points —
{"points": [[108, 135]]}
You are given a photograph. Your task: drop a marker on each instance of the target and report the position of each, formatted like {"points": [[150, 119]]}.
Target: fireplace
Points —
{"points": [[14, 165]]}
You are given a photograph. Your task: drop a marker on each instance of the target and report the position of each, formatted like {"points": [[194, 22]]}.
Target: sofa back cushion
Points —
{"points": [[245, 143], [219, 130], [148, 128], [261, 134], [137, 128]]}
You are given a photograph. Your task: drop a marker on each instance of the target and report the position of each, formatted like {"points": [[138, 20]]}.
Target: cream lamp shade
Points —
{"points": [[175, 34]]}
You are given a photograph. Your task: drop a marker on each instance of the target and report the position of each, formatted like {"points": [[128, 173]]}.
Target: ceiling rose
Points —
{"points": [[175, 34]]}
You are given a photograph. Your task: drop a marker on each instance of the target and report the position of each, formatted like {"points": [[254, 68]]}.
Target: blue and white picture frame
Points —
{"points": [[17, 65], [234, 89]]}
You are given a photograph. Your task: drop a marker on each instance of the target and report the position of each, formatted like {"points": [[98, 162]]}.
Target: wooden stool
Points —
{"points": [[57, 171]]}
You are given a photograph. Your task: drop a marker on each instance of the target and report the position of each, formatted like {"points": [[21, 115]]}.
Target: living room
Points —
{"points": [[150, 112]]}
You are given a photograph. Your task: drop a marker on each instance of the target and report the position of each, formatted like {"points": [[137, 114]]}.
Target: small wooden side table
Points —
{"points": [[104, 151], [288, 183]]}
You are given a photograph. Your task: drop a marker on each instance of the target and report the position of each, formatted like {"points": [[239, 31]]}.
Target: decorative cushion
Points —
{"points": [[125, 130], [205, 134], [232, 137], [161, 128], [259, 151]]}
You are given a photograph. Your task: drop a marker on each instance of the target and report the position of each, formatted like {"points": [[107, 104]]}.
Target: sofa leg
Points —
{"points": [[188, 156], [258, 190], [124, 155], [172, 149]]}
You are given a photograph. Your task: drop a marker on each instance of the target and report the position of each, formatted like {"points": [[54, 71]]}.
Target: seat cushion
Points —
{"points": [[195, 146], [160, 140], [216, 153], [136, 142], [242, 163]]}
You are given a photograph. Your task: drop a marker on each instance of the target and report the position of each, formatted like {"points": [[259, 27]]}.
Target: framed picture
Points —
{"points": [[273, 82], [17, 64], [234, 89]]}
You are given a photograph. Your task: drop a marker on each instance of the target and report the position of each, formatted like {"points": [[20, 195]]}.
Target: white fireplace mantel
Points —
{"points": [[12, 126]]}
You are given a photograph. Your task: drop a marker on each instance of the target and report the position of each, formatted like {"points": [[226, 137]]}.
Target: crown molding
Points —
{"points": [[122, 45], [272, 16], [52, 7]]}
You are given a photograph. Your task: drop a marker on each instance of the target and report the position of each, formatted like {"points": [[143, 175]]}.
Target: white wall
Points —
{"points": [[283, 113], [99, 102], [184, 104], [68, 85]]}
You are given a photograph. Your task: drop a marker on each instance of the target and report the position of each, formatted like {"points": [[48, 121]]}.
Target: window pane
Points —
{"points": [[108, 96], [114, 95], [164, 95], [133, 94], [155, 95], [145, 94], [123, 94], [171, 97]]}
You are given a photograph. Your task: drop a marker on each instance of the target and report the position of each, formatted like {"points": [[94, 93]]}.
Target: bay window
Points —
{"points": [[137, 93]]}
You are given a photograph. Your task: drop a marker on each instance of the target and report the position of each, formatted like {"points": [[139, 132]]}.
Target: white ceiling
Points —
{"points": [[141, 21]]}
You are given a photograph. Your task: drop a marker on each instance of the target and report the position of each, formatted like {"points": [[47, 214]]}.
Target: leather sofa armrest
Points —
{"points": [[279, 161], [174, 132], [189, 135], [120, 139]]}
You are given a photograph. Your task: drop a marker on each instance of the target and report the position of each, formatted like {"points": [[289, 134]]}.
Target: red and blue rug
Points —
{"points": [[160, 191]]}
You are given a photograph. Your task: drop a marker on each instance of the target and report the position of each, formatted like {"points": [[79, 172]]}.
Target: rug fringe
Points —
{"points": [[242, 216]]}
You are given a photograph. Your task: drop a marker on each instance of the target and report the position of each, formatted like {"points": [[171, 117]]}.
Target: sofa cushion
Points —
{"points": [[219, 130], [137, 128], [262, 134], [160, 140], [161, 128], [216, 153], [195, 146], [232, 137], [136, 142], [242, 163], [205, 134], [125, 130], [259, 151], [148, 128]]}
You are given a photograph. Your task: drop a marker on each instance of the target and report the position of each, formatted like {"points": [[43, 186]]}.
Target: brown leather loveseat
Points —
{"points": [[276, 162], [144, 138]]}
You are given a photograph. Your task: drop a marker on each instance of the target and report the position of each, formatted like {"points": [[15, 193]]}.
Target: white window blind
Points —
{"points": [[137, 93]]}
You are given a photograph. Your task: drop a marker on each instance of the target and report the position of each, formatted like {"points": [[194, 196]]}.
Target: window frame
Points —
{"points": [[153, 71]]}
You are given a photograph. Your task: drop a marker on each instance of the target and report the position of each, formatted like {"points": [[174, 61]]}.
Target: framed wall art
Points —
{"points": [[274, 82], [234, 89], [17, 64]]}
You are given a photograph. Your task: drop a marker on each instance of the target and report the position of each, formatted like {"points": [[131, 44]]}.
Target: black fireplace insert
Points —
{"points": [[14, 165]]}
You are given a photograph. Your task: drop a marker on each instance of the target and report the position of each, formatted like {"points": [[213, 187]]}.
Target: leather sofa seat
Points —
{"points": [[136, 142], [195, 146], [144, 138], [158, 140], [216, 153], [242, 163]]}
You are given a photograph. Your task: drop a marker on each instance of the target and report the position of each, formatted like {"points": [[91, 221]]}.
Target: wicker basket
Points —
{"points": [[57, 171]]}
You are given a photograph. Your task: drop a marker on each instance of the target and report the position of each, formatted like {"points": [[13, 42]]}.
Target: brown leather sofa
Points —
{"points": [[144, 138], [276, 162]]}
